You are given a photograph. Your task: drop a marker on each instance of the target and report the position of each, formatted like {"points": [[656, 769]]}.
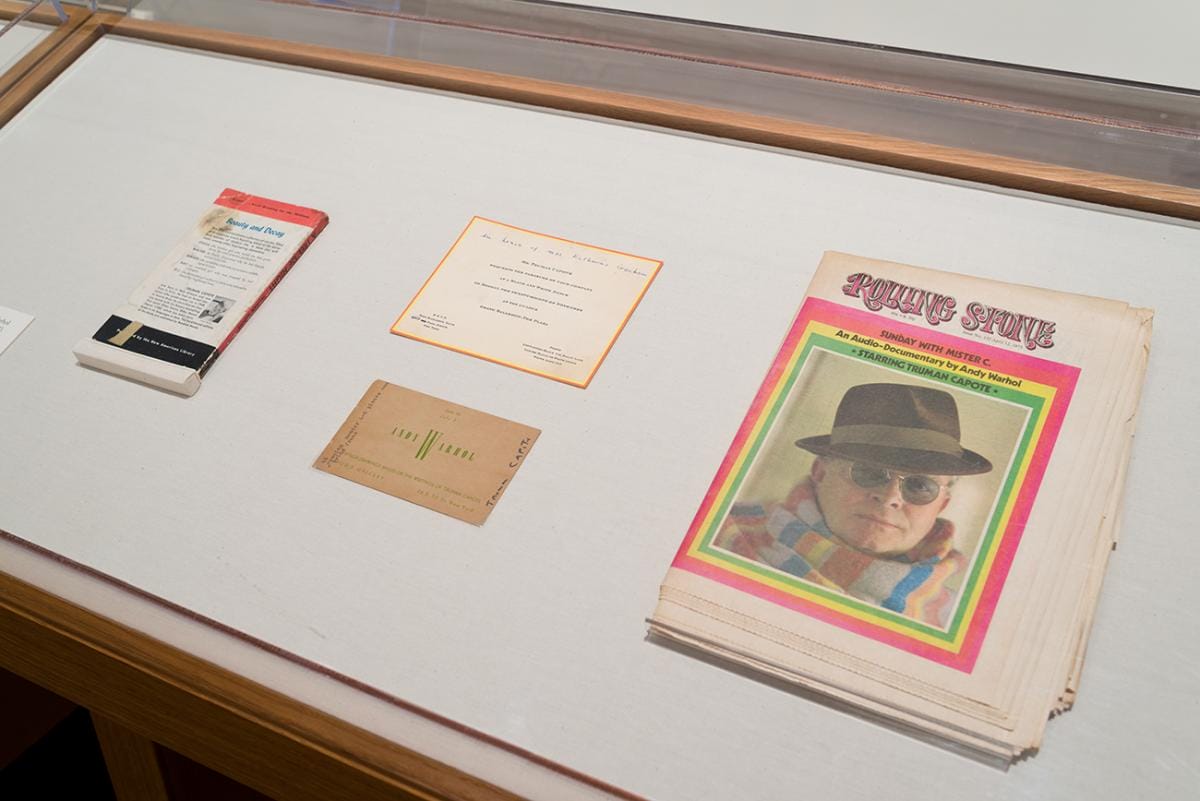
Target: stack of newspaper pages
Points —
{"points": [[915, 515]]}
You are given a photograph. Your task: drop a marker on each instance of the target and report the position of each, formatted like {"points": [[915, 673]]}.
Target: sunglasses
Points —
{"points": [[917, 490]]}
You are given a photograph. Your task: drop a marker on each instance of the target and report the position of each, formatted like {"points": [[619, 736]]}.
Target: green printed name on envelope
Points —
{"points": [[446, 457]]}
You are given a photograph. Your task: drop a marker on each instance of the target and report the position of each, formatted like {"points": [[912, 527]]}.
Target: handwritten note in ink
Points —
{"points": [[538, 303]]}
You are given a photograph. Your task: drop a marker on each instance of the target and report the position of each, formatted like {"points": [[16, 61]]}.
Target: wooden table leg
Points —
{"points": [[132, 762]]}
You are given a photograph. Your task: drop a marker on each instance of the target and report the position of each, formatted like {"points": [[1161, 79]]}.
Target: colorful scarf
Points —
{"points": [[792, 536]]}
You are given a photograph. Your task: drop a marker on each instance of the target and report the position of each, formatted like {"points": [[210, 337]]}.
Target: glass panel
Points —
{"points": [[1108, 126], [19, 34]]}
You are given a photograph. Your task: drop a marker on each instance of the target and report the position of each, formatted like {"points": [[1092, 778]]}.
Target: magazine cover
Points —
{"points": [[878, 528], [897, 510]]}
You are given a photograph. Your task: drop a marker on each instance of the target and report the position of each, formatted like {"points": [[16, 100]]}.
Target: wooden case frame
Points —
{"points": [[140, 689]]}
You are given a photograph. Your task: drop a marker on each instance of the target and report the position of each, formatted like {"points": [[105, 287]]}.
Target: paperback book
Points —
{"points": [[191, 306]]}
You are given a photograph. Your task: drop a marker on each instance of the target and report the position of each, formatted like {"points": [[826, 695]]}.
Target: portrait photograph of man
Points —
{"points": [[875, 485], [216, 309]]}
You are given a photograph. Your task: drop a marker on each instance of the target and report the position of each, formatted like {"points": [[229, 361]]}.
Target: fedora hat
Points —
{"points": [[898, 426]]}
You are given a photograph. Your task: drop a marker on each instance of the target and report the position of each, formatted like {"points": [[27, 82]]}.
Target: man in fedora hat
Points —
{"points": [[865, 521]]}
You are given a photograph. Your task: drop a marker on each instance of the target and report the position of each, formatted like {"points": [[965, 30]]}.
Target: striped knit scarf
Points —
{"points": [[792, 536]]}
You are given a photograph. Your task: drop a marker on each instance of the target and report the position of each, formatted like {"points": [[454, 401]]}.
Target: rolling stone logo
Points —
{"points": [[884, 293]]}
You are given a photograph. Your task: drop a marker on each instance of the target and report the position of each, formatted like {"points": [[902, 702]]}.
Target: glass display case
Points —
{"points": [[1054, 133], [178, 567], [37, 40], [18, 37]]}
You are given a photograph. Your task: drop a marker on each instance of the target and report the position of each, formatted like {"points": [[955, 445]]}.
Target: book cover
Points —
{"points": [[191, 306]]}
